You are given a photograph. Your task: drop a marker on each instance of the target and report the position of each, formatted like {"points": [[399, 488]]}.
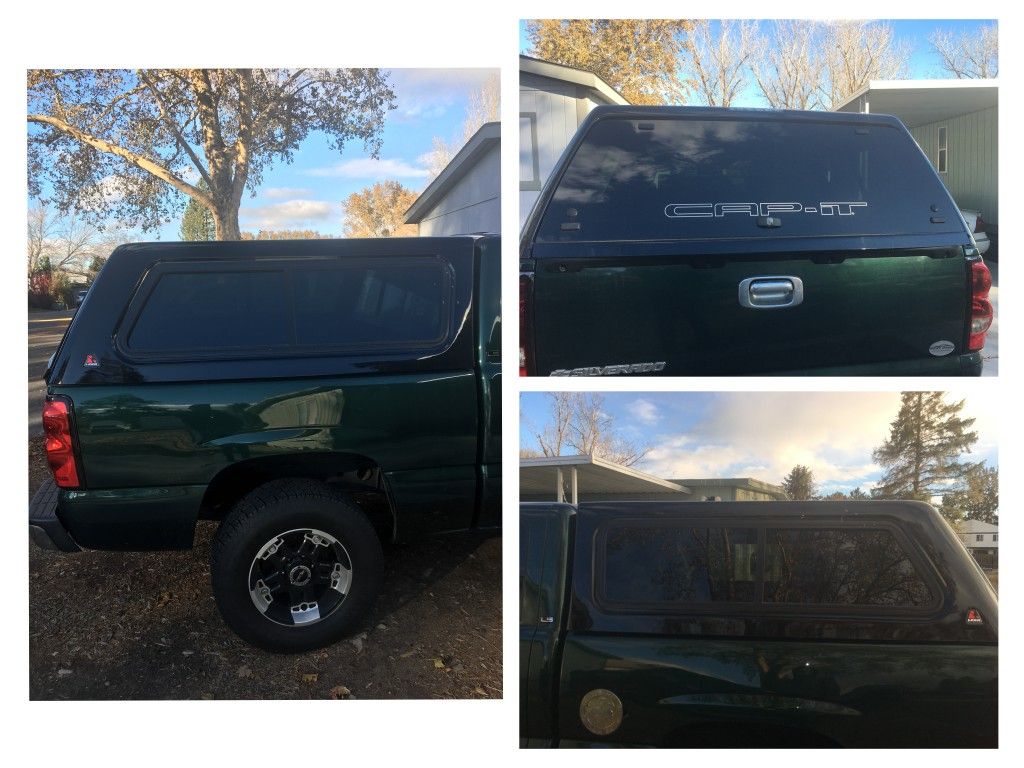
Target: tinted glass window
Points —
{"points": [[214, 310], [699, 178], [402, 304], [841, 567], [669, 564]]}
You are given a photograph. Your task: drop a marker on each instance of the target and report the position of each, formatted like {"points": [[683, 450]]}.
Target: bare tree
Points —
{"points": [[854, 52], [790, 71], [484, 107], [717, 65], [969, 54], [580, 425], [68, 242], [40, 233]]}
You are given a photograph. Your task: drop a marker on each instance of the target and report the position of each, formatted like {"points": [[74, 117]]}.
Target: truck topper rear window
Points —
{"points": [[743, 177]]}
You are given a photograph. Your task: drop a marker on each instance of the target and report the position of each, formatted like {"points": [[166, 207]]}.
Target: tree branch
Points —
{"points": [[165, 116], [137, 160]]}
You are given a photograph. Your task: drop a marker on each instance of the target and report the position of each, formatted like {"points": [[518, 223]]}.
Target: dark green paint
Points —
{"points": [[679, 692], [879, 310], [153, 437]]}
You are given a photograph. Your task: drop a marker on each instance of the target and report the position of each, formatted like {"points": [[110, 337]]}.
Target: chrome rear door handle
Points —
{"points": [[771, 292]]}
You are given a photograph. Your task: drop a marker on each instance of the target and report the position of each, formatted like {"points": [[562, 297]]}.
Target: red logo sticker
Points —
{"points": [[90, 361]]}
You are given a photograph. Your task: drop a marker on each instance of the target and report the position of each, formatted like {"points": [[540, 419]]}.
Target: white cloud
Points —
{"points": [[284, 193], [368, 168], [291, 214], [644, 411], [765, 434]]}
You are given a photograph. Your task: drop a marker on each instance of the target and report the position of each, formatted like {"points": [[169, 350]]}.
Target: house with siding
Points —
{"points": [[465, 198], [955, 122], [553, 100], [981, 540]]}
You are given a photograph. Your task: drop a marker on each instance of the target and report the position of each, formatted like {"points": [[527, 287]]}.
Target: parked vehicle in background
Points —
{"points": [[976, 226], [80, 297], [698, 241], [754, 624], [316, 397]]}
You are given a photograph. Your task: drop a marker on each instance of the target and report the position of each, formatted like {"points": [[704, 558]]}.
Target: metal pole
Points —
{"points": [[560, 496], [575, 498]]}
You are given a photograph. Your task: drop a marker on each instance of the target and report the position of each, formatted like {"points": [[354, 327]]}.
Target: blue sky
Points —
{"points": [[924, 62], [307, 193], [761, 434]]}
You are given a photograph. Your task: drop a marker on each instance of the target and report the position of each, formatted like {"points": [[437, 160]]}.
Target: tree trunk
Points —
{"points": [[225, 224]]}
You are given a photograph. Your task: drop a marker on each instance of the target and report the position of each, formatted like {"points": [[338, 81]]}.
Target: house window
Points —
{"points": [[529, 161], [979, 537], [995, 537], [940, 159]]}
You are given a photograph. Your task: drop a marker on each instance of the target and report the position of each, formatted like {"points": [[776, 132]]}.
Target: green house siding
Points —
{"points": [[972, 175]]}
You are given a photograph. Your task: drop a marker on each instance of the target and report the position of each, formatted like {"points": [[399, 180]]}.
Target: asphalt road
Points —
{"points": [[45, 329]]}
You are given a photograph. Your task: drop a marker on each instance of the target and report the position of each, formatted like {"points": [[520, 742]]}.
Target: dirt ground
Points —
{"points": [[124, 625]]}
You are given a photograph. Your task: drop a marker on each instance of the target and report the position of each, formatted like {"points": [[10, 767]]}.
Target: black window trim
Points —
{"points": [[151, 278], [759, 609]]}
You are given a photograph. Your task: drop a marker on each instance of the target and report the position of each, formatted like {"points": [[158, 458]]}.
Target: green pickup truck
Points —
{"points": [[753, 624], [316, 397], [687, 241]]}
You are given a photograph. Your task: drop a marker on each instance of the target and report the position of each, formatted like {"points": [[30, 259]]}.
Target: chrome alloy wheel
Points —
{"points": [[300, 577]]}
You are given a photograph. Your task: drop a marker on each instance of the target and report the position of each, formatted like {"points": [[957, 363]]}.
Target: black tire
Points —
{"points": [[282, 508]]}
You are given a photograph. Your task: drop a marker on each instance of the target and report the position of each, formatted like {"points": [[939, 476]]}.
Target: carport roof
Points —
{"points": [[594, 475], [919, 102]]}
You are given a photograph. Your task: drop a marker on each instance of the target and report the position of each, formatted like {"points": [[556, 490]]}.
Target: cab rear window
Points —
{"points": [[743, 177]]}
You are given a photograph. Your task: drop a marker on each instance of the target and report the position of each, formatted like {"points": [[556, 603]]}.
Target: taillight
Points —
{"points": [[525, 312], [59, 450], [981, 307]]}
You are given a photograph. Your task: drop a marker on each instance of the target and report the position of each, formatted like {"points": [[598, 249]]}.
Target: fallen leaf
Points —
{"points": [[479, 691], [63, 672], [438, 664], [244, 672], [407, 654], [340, 692], [310, 677], [206, 696]]}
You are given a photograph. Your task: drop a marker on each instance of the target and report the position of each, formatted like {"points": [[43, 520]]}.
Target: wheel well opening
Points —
{"points": [[359, 477]]}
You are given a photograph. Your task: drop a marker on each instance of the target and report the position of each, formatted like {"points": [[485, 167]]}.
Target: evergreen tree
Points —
{"points": [[977, 500], [799, 484], [922, 455], [197, 221]]}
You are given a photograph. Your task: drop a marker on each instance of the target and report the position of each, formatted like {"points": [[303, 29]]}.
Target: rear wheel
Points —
{"points": [[296, 566]]}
